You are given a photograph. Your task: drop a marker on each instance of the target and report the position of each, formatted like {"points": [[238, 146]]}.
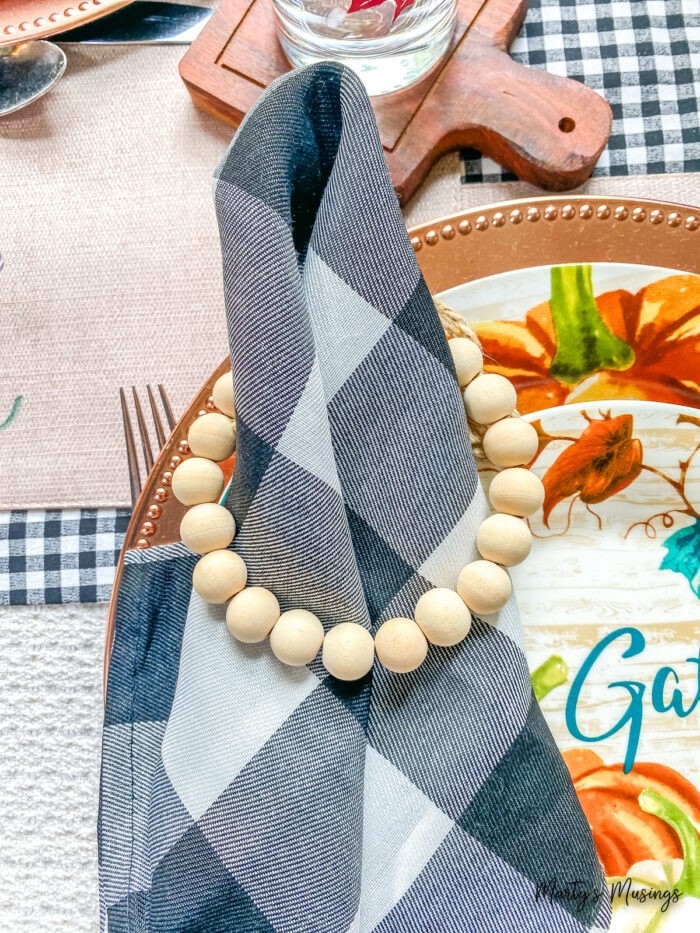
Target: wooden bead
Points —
{"points": [[219, 575], [197, 480], [504, 539], [222, 393], [348, 651], [296, 637], [516, 491], [485, 587], [400, 645], [207, 527], [212, 436], [467, 358], [252, 614], [442, 617], [510, 442], [489, 398]]}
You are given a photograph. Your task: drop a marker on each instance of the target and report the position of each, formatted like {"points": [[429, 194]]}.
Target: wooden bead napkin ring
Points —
{"points": [[441, 615]]}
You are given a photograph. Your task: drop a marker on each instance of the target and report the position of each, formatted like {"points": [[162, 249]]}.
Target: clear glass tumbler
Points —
{"points": [[389, 43]]}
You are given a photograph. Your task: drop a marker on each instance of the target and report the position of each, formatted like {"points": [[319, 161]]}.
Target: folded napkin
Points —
{"points": [[241, 795]]}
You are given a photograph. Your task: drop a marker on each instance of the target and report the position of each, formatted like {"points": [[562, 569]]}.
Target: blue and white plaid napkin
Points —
{"points": [[241, 795]]}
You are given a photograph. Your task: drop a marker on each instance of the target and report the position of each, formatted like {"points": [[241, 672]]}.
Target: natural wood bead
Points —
{"points": [[467, 358], [197, 480], [510, 442], [489, 398], [219, 575], [504, 539], [213, 436], [516, 491], [207, 527], [442, 617], [252, 613], [400, 645], [485, 587], [222, 393], [348, 651], [297, 637]]}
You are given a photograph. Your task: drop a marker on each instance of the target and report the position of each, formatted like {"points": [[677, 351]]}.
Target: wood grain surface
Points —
{"points": [[547, 129]]}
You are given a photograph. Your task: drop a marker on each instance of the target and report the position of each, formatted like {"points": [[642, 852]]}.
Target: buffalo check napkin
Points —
{"points": [[241, 796]]}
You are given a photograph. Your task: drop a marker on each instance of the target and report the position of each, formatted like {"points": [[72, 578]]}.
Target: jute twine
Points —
{"points": [[454, 325]]}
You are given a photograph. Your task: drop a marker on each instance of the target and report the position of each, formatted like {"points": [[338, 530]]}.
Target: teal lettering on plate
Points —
{"points": [[634, 712]]}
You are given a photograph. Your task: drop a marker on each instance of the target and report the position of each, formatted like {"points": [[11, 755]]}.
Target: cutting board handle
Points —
{"points": [[547, 129]]}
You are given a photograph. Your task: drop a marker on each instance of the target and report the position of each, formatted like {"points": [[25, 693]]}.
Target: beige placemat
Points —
{"points": [[112, 266]]}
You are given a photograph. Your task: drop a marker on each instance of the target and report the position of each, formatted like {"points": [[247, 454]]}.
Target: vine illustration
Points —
{"points": [[678, 486], [14, 411], [602, 461]]}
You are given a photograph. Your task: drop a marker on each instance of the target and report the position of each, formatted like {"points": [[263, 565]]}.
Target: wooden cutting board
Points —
{"points": [[546, 129]]}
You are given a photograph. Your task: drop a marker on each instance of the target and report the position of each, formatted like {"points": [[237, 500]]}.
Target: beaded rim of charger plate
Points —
{"points": [[442, 616]]}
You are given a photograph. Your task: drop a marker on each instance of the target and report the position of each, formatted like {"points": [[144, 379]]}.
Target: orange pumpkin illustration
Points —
{"points": [[622, 831], [576, 347]]}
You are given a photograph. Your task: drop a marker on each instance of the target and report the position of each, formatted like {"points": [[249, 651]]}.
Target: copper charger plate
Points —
{"points": [[24, 20], [455, 250]]}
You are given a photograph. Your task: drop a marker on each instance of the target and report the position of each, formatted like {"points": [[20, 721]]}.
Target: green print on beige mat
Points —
{"points": [[14, 411]]}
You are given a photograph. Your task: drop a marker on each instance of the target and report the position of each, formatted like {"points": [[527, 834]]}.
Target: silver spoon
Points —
{"points": [[27, 71]]}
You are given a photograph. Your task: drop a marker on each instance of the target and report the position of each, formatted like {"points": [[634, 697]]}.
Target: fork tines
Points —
{"points": [[144, 435]]}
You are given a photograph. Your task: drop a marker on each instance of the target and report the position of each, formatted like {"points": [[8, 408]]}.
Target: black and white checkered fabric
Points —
{"points": [[242, 795], [59, 555], [643, 56]]}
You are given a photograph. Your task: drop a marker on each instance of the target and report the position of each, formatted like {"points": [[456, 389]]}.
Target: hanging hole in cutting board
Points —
{"points": [[567, 124]]}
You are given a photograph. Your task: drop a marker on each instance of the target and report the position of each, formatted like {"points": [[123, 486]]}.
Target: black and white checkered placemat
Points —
{"points": [[59, 555], [643, 56]]}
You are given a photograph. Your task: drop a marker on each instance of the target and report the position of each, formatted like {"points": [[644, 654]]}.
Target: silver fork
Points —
{"points": [[146, 445]]}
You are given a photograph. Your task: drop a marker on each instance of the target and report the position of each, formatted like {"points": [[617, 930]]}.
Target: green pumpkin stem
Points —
{"points": [[585, 344], [652, 802]]}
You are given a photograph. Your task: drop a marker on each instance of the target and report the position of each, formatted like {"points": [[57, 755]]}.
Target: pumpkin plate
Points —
{"points": [[588, 332]]}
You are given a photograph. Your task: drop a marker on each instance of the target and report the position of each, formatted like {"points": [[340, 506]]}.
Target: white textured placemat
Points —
{"points": [[51, 716]]}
